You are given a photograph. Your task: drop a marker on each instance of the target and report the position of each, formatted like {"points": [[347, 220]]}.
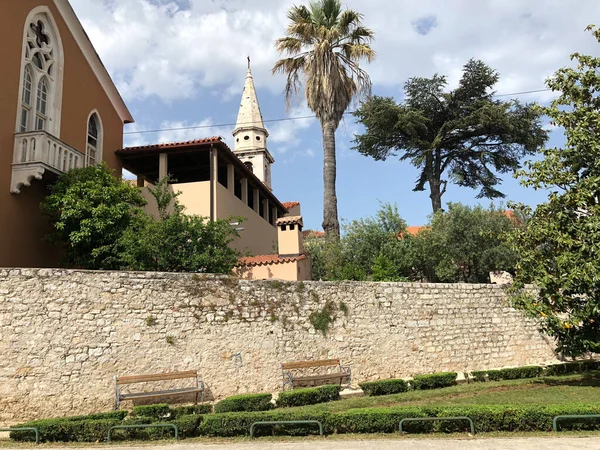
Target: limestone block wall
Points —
{"points": [[65, 334]]}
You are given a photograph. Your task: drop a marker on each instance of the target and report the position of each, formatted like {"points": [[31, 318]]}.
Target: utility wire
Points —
{"points": [[289, 118]]}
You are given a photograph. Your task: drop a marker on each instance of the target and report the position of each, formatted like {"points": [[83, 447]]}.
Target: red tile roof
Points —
{"points": [[266, 260], [288, 205], [414, 230], [288, 220], [313, 233], [209, 140]]}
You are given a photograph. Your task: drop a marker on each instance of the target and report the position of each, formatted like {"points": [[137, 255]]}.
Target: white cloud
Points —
{"points": [[286, 133], [176, 131]]}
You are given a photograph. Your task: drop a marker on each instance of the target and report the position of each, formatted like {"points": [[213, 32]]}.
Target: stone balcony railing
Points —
{"points": [[37, 152]]}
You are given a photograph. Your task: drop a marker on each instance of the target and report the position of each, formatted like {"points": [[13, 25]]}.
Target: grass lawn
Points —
{"points": [[580, 388]]}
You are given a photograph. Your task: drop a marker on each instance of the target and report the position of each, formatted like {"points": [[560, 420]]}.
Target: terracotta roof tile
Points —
{"points": [[289, 220], [414, 230], [265, 260], [313, 233], [209, 140], [288, 205]]}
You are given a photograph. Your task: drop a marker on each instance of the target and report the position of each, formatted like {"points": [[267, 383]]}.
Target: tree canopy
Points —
{"points": [[463, 136], [323, 47], [559, 249]]}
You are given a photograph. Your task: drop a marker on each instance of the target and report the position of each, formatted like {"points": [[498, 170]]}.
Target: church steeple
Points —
{"points": [[251, 135]]}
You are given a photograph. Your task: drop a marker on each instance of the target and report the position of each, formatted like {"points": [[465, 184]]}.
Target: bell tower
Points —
{"points": [[251, 135]]}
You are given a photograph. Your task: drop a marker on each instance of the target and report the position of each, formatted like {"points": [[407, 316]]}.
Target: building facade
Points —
{"points": [[59, 109]]}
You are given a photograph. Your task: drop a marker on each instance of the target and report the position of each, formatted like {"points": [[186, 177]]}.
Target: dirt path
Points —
{"points": [[533, 443]]}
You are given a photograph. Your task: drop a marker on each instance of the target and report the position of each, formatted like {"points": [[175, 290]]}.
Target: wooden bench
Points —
{"points": [[132, 379], [292, 380]]}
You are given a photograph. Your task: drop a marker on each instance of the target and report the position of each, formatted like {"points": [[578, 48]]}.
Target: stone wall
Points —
{"points": [[65, 334]]}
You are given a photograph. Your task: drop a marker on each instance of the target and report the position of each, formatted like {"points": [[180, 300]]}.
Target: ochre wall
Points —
{"points": [[289, 271], [64, 334], [259, 237], [22, 227]]}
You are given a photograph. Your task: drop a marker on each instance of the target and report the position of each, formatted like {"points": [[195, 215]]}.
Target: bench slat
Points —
{"points": [[309, 364], [320, 377], [129, 379], [169, 393]]}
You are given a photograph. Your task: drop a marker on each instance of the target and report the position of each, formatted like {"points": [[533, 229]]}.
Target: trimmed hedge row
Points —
{"points": [[384, 387], [535, 371], [419, 382], [245, 402], [487, 418], [309, 396], [162, 411]]}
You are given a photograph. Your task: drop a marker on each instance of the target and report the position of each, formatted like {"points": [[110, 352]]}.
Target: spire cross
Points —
{"points": [[248, 62]]}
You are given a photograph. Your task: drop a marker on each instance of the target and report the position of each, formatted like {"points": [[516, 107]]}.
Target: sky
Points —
{"points": [[182, 63]]}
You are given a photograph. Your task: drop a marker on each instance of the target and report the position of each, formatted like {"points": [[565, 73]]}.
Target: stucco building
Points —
{"points": [[60, 110]]}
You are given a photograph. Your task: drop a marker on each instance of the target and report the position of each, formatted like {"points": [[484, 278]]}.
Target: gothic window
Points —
{"points": [[39, 83], [94, 140]]}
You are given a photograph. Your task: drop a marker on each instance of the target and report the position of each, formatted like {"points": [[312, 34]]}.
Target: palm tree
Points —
{"points": [[322, 50]]}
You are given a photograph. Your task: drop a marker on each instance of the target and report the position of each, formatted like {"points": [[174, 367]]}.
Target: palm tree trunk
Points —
{"points": [[331, 225]]}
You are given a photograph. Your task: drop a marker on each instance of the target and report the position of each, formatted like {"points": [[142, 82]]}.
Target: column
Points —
{"points": [[256, 198], [231, 178], [266, 209], [163, 165], [214, 179], [141, 181], [244, 182], [274, 214]]}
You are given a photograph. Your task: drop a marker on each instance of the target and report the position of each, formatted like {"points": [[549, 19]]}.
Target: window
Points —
{"points": [[249, 166], [25, 99], [40, 75], [94, 140]]}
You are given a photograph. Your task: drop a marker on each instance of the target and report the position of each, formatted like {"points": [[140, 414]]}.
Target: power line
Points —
{"points": [[283, 119]]}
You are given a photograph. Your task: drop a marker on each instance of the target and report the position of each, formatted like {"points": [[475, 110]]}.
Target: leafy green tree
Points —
{"points": [[559, 248], [177, 242], [90, 209], [464, 244], [463, 135], [323, 47]]}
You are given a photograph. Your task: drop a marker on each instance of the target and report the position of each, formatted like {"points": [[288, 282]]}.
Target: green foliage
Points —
{"points": [[464, 244], [321, 319], [343, 308], [384, 387], [559, 249], [204, 408], [487, 418], [245, 402], [170, 340], [151, 321], [63, 430], [177, 242], [515, 373], [90, 209], [157, 412], [572, 367], [464, 135], [309, 396], [434, 380]]}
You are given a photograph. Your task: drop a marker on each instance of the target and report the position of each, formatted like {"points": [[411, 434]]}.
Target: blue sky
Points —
{"points": [[181, 63]]}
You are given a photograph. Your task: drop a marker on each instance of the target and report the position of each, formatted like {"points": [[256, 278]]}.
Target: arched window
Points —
{"points": [[42, 75], [249, 166], [94, 140], [26, 98]]}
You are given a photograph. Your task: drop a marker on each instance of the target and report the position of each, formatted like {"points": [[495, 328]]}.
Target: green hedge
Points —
{"points": [[487, 418], [203, 408], [187, 426], [65, 430], [434, 380], [246, 402], [309, 396], [158, 411], [572, 367], [384, 387]]}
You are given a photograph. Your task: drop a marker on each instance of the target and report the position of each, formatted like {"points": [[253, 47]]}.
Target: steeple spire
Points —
{"points": [[251, 135], [249, 115]]}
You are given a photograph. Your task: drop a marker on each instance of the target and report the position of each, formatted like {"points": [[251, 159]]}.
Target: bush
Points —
{"points": [[203, 408], [515, 373], [384, 387], [309, 396], [434, 380], [245, 402], [572, 367], [158, 411], [64, 430], [479, 375]]}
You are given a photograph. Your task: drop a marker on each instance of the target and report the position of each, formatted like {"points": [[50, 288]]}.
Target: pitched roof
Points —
{"points": [[209, 140], [289, 220], [288, 205], [414, 229], [313, 233], [249, 115], [266, 260]]}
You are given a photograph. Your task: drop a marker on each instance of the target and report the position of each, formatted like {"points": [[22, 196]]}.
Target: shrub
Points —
{"points": [[515, 373], [245, 402], [434, 380], [384, 387], [572, 367], [157, 412], [203, 408], [479, 375], [309, 396], [61, 430]]}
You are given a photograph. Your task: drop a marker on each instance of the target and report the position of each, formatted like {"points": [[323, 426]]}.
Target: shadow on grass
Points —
{"points": [[588, 380]]}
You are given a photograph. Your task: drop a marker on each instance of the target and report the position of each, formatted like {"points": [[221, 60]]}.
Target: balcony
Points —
{"points": [[37, 152]]}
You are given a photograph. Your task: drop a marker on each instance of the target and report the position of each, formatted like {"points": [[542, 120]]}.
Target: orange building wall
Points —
{"points": [[22, 227]]}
